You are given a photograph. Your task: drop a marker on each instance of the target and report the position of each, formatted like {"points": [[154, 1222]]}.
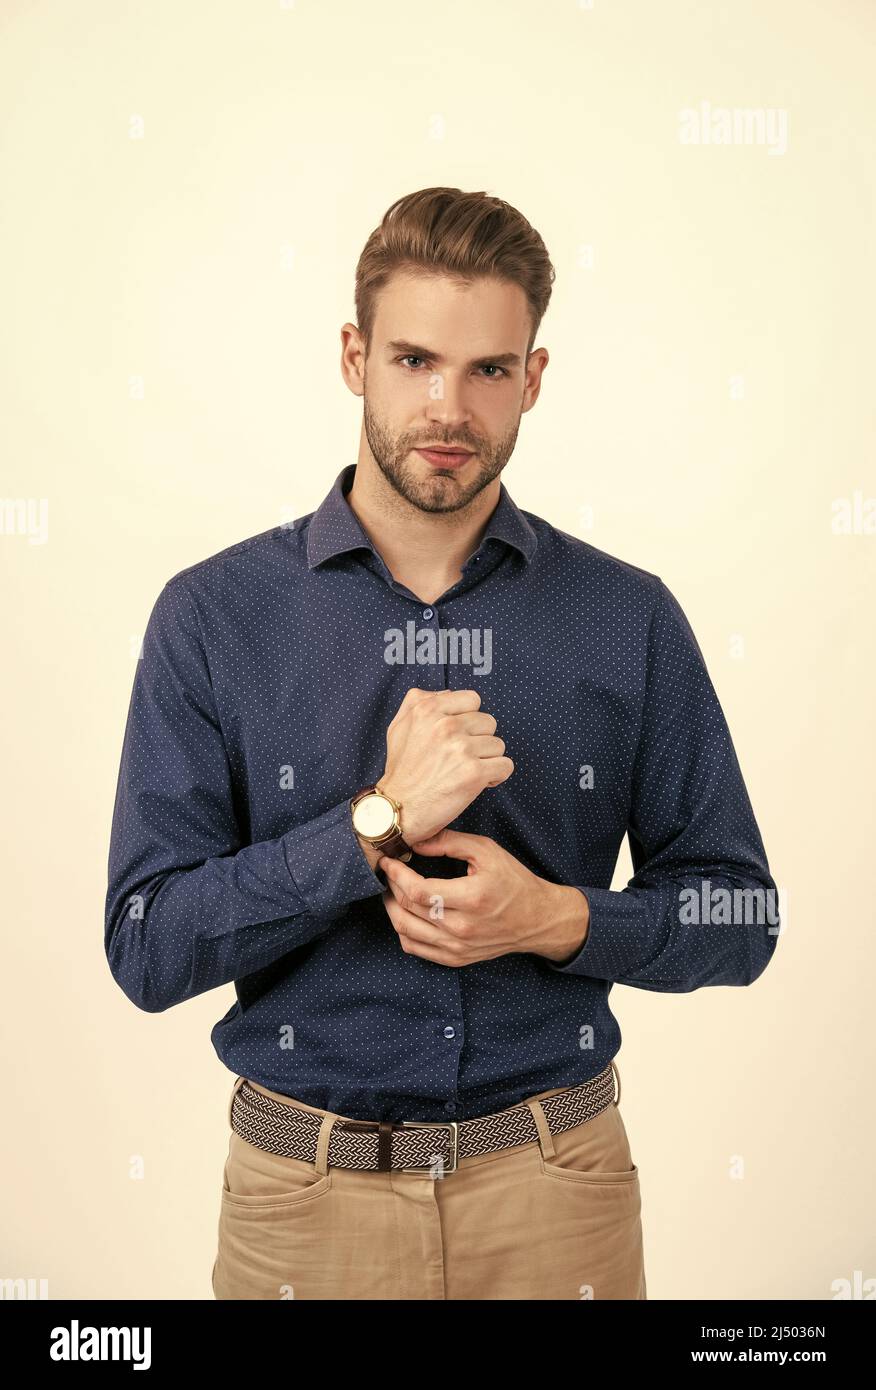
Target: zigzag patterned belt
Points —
{"points": [[410, 1144]]}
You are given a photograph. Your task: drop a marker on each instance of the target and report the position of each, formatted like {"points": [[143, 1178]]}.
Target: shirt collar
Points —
{"points": [[334, 527]]}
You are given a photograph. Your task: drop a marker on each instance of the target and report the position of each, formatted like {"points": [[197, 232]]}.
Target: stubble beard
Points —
{"points": [[439, 493]]}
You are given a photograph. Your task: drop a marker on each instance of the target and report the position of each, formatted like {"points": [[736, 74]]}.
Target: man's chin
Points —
{"points": [[440, 494], [430, 489]]}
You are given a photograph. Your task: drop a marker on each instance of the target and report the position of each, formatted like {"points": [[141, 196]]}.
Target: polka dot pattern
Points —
{"points": [[260, 706]]}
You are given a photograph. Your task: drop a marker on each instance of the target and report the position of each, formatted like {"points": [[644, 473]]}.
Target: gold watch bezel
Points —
{"points": [[395, 827]]}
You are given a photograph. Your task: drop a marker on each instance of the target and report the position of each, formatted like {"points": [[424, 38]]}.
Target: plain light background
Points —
{"points": [[187, 187]]}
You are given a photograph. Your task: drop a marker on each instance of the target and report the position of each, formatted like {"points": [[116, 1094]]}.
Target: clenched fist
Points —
{"points": [[441, 753]]}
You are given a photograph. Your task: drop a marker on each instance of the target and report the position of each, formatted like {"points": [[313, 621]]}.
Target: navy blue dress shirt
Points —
{"points": [[268, 675]]}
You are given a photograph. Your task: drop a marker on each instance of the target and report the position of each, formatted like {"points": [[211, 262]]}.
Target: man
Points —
{"points": [[377, 770]]}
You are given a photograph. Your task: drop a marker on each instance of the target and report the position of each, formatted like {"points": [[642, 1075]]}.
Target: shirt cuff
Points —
{"points": [[617, 936], [327, 863]]}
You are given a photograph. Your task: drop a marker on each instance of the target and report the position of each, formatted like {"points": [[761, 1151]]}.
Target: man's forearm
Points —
{"points": [[569, 924]]}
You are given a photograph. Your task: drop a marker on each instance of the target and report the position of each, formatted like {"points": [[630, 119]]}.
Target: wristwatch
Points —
{"points": [[377, 818]]}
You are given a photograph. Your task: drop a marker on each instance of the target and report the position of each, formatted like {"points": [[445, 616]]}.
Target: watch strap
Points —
{"points": [[396, 847]]}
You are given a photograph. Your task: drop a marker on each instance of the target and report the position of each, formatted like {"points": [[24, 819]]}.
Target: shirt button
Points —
{"points": [[450, 1107], [449, 1032], [427, 612]]}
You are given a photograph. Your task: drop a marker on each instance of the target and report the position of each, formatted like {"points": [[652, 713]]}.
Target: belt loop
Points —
{"points": [[545, 1137], [322, 1143], [617, 1074], [235, 1088], [384, 1146]]}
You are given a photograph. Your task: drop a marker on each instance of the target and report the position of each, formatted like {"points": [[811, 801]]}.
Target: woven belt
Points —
{"points": [[410, 1144]]}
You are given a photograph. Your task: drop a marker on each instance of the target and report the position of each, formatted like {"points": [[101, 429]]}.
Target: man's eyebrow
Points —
{"points": [[498, 359]]}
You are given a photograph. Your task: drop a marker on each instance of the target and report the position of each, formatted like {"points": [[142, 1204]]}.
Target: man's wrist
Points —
{"points": [[410, 831], [570, 925]]}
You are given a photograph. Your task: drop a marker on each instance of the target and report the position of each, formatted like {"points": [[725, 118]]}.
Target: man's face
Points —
{"points": [[447, 366]]}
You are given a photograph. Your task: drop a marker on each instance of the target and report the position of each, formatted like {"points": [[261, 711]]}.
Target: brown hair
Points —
{"points": [[444, 230]]}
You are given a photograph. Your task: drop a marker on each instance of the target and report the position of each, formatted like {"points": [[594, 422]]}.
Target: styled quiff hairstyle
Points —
{"points": [[444, 230]]}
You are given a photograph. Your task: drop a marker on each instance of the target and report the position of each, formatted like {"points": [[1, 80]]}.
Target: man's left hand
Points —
{"points": [[499, 907]]}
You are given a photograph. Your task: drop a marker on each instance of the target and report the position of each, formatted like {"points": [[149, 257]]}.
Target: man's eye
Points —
{"points": [[485, 367]]}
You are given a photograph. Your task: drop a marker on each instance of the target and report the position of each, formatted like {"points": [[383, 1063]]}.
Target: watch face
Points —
{"points": [[374, 816]]}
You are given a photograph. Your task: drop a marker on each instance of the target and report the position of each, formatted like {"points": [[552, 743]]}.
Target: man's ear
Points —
{"points": [[535, 365], [353, 358]]}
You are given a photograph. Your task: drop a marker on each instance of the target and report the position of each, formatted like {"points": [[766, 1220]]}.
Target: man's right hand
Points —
{"points": [[441, 753]]}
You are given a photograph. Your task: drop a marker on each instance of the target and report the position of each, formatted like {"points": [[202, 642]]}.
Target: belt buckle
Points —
{"points": [[452, 1126]]}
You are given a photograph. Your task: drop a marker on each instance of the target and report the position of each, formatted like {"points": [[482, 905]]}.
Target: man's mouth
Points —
{"points": [[445, 458]]}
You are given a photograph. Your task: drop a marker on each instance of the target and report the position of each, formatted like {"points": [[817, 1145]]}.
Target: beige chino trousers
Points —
{"points": [[555, 1219]]}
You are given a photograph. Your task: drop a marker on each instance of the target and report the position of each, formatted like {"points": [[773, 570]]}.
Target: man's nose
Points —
{"points": [[447, 404]]}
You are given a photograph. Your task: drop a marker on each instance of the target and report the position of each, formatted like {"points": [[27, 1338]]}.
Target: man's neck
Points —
{"points": [[425, 551]]}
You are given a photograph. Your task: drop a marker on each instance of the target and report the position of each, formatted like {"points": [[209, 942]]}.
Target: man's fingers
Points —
{"points": [[413, 928], [427, 897], [448, 701], [454, 844]]}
